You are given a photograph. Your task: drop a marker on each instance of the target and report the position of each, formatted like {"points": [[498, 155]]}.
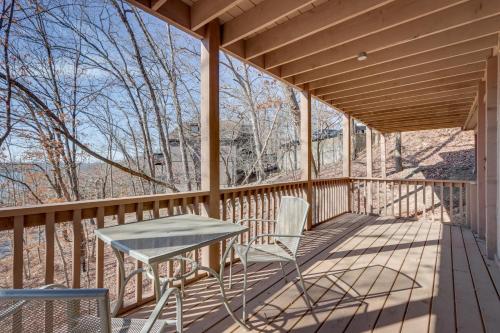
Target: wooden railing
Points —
{"points": [[330, 198], [439, 200], [64, 231]]}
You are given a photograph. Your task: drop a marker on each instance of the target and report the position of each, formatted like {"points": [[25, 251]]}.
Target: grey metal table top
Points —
{"points": [[157, 240]]}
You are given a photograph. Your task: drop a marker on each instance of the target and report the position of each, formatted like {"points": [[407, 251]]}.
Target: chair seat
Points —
{"points": [[118, 325], [263, 253], [128, 325]]}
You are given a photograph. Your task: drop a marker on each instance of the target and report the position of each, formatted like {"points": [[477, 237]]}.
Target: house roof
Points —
{"points": [[424, 58]]}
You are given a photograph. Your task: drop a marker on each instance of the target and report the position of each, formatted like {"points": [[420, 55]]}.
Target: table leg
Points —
{"points": [[123, 280], [121, 284], [156, 281], [220, 279]]}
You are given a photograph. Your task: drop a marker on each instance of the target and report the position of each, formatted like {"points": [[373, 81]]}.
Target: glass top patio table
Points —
{"points": [[158, 240]]}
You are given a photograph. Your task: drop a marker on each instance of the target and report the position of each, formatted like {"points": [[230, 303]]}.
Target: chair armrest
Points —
{"points": [[155, 314], [254, 239]]}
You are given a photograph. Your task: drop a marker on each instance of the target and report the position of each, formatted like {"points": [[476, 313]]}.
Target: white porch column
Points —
{"points": [[491, 155], [306, 149], [479, 226], [346, 145], [210, 131], [369, 168]]}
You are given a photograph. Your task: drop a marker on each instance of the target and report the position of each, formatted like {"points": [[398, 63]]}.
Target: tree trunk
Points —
{"points": [[397, 153]]}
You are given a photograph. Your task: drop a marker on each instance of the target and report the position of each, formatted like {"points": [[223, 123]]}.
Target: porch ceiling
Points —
{"points": [[425, 58]]}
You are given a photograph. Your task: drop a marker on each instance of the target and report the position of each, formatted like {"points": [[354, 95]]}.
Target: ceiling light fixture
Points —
{"points": [[362, 56]]}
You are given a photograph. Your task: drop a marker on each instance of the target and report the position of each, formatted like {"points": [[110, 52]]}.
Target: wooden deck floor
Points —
{"points": [[364, 273]]}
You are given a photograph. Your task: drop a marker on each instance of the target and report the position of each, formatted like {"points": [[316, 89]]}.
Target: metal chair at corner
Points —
{"points": [[289, 225], [54, 308]]}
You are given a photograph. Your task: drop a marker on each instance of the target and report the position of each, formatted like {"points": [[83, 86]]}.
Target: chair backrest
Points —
{"points": [[55, 310], [291, 220]]}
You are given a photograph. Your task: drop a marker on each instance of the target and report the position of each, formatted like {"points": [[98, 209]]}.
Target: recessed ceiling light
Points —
{"points": [[362, 56]]}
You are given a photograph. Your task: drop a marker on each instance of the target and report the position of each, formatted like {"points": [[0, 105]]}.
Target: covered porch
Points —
{"points": [[380, 254]]}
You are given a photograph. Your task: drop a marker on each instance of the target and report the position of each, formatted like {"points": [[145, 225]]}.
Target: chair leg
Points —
{"points": [[230, 270], [244, 316], [306, 295], [283, 272]]}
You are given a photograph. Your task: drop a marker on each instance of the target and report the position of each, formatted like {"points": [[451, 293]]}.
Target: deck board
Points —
{"points": [[364, 274]]}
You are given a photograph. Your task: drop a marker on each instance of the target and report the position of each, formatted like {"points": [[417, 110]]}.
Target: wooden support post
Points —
{"points": [[209, 119], [306, 149], [481, 161], [369, 167], [383, 170], [346, 155], [498, 153], [491, 155], [346, 145]]}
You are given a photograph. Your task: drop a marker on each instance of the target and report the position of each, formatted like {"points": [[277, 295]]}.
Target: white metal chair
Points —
{"points": [[55, 308], [289, 225]]}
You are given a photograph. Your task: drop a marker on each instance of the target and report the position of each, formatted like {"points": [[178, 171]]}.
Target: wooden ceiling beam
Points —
{"points": [[455, 98], [259, 17], [426, 48], [204, 11], [443, 96], [424, 115], [409, 81], [449, 56], [426, 119], [319, 18], [444, 106], [392, 14], [435, 23], [401, 96], [394, 87], [414, 128], [441, 68]]}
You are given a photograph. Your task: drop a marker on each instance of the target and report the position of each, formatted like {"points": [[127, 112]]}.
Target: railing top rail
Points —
{"points": [[72, 205], [260, 186], [415, 180]]}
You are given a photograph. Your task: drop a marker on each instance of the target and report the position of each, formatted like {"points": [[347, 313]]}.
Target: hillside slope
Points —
{"points": [[433, 154]]}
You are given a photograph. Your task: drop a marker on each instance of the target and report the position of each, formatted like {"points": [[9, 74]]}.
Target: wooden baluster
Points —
{"points": [[424, 201], [451, 202], [433, 191], [49, 247], [184, 204], [77, 250], [379, 206], [408, 198], [100, 251], [139, 213], [400, 199], [392, 199], [358, 186], [365, 201], [224, 208], [441, 200], [461, 198], [385, 197], [196, 205], [415, 199], [17, 265], [18, 249], [466, 203], [156, 209], [170, 208]]}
